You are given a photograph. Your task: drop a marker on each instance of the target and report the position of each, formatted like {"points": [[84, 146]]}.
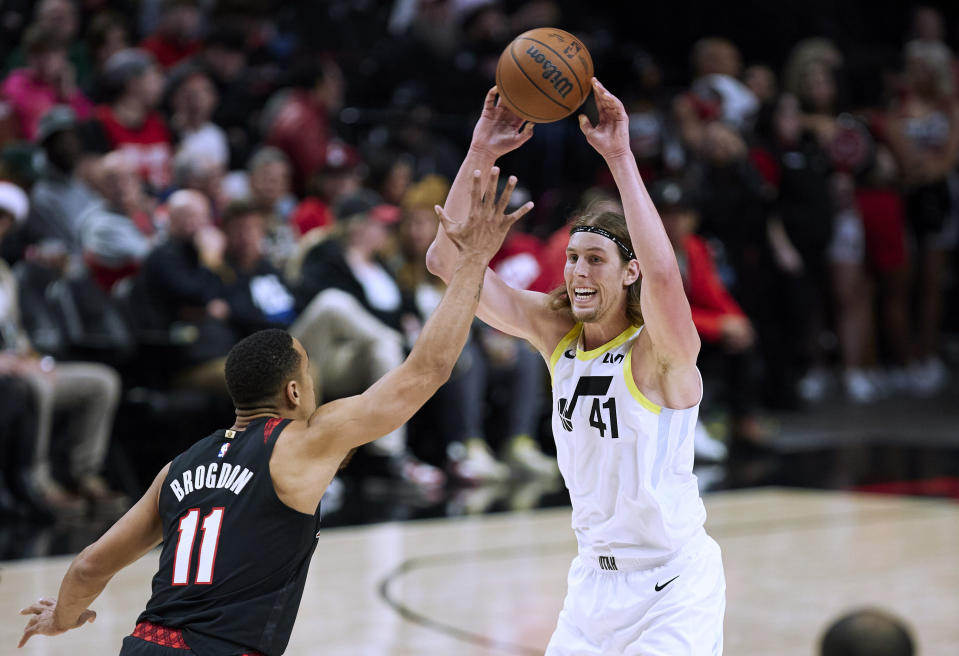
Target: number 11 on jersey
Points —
{"points": [[184, 546]]}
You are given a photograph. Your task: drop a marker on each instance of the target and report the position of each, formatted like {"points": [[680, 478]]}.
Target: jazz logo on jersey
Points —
{"points": [[223, 449], [592, 386]]}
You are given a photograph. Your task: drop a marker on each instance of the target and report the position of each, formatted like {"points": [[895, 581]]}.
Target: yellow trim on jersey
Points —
{"points": [[613, 343], [564, 343], [631, 386]]}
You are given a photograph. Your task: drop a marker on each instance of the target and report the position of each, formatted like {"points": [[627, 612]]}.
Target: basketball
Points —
{"points": [[544, 75]]}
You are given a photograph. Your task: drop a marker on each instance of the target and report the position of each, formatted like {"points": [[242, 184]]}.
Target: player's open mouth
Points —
{"points": [[583, 293]]}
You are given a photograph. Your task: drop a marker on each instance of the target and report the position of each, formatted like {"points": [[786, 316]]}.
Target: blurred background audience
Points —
{"points": [[178, 174]]}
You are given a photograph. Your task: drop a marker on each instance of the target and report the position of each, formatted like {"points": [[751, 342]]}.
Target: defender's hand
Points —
{"points": [[610, 137], [497, 131], [42, 622], [482, 234]]}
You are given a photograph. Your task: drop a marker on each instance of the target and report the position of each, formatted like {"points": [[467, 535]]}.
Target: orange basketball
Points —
{"points": [[544, 75]]}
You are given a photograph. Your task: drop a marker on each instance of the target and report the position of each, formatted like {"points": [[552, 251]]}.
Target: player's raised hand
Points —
{"points": [[498, 130], [610, 137], [482, 233], [42, 622]]}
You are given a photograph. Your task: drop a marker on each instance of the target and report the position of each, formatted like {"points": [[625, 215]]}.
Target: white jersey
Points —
{"points": [[628, 462]]}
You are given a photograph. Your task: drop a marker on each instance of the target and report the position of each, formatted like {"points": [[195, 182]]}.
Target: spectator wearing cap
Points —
{"points": [[48, 79], [338, 178], [60, 17], [297, 120], [193, 99], [368, 320], [129, 120], [118, 232], [60, 197], [175, 37], [91, 391], [726, 332], [352, 259]]}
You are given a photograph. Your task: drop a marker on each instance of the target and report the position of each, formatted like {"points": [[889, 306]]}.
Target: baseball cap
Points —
{"points": [[340, 157], [59, 118], [369, 204], [671, 195], [14, 200]]}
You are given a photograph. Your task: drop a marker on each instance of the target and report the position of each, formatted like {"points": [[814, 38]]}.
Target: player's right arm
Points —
{"points": [[132, 536], [520, 313], [344, 424]]}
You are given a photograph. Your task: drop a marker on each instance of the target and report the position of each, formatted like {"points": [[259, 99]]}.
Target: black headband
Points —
{"points": [[627, 251]]}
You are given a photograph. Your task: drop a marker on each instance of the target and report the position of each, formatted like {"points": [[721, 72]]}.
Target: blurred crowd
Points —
{"points": [[180, 173]]}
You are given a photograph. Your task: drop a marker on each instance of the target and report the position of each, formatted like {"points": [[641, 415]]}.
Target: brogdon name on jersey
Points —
{"points": [[627, 461], [212, 475]]}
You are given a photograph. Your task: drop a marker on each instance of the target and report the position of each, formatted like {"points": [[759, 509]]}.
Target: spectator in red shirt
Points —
{"points": [[130, 122], [47, 80], [726, 332], [118, 233], [297, 120], [175, 36], [338, 178]]}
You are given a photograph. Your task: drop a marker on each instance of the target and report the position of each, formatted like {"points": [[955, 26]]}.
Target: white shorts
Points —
{"points": [[622, 612]]}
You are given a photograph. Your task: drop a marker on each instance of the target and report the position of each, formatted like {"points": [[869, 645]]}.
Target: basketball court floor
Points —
{"points": [[858, 508], [494, 584]]}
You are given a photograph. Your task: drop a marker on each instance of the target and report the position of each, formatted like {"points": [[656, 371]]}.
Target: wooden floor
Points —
{"points": [[494, 585]]}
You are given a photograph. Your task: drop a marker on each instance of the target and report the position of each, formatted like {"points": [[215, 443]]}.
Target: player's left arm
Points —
{"points": [[134, 534], [666, 312]]}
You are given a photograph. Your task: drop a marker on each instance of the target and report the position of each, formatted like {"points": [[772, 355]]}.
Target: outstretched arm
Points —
{"points": [[520, 313], [347, 423], [497, 132], [134, 534], [665, 308]]}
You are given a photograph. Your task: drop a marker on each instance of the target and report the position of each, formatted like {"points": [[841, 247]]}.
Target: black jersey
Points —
{"points": [[234, 557]]}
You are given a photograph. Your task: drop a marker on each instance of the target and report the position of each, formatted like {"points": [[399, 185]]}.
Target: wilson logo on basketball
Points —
{"points": [[551, 72], [572, 50]]}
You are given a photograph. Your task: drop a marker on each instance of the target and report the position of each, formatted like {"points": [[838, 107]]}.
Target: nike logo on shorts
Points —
{"points": [[659, 587]]}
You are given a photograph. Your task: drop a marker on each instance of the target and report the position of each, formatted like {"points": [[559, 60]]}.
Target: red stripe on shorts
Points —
{"points": [[160, 635], [167, 637]]}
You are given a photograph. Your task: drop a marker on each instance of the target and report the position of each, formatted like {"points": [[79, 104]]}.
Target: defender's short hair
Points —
{"points": [[867, 632], [259, 366]]}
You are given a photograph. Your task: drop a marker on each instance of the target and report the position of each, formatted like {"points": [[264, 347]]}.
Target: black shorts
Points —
{"points": [[139, 647]]}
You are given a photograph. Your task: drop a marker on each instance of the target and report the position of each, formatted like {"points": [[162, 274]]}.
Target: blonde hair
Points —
{"points": [[431, 190], [615, 224]]}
